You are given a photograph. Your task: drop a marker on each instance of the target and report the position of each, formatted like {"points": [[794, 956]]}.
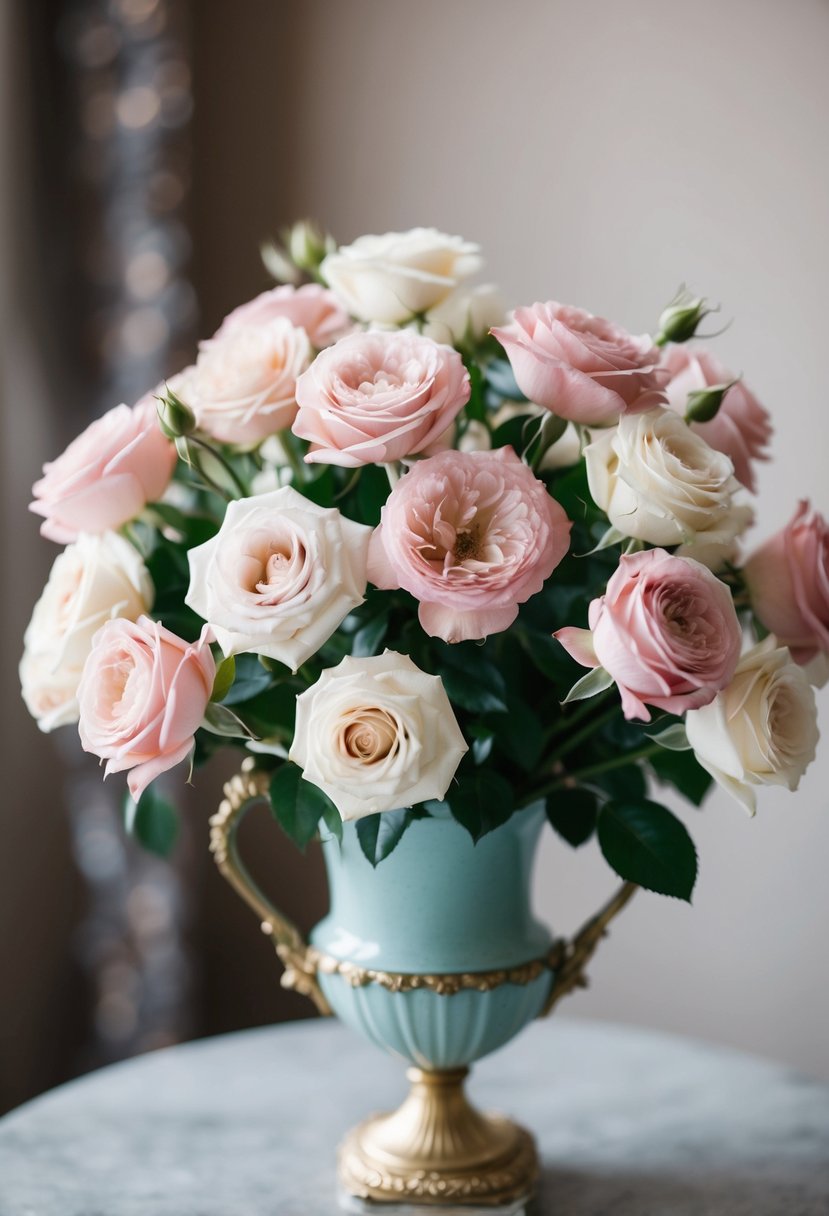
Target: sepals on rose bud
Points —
{"points": [[307, 245], [174, 417], [681, 319], [703, 404]]}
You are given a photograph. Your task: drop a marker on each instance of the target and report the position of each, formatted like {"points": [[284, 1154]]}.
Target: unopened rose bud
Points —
{"points": [[703, 403], [307, 245], [681, 319], [174, 417]]}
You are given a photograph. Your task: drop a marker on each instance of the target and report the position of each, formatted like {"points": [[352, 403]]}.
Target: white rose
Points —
{"points": [[279, 576], [388, 279], [660, 482], [92, 580], [465, 315], [761, 729], [242, 386], [377, 734]]}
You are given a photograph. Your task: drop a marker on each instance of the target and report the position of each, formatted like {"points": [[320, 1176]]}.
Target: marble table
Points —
{"points": [[628, 1122]]}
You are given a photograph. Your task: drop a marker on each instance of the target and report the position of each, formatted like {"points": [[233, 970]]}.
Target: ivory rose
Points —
{"points": [[377, 734], [788, 581], [465, 315], [279, 577], [666, 630], [390, 278], [378, 397], [659, 482], [580, 367], [242, 386], [142, 697], [106, 476], [741, 427], [91, 581], [761, 729], [310, 307], [471, 535]]}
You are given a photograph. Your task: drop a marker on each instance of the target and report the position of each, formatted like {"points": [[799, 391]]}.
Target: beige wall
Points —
{"points": [[602, 153]]}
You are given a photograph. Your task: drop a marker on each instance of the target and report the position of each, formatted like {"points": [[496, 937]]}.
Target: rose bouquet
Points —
{"points": [[418, 558]]}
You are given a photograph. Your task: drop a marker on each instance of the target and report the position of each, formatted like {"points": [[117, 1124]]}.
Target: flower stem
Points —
{"points": [[592, 770], [573, 739], [220, 460]]}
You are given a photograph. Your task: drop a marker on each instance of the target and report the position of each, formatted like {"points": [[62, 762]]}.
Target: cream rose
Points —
{"points": [[761, 729], [659, 482], [465, 315], [279, 576], [242, 386], [377, 734], [91, 581], [390, 278]]}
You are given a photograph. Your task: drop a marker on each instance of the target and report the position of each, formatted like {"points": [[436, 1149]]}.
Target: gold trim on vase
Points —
{"points": [[438, 1149], [445, 984]]}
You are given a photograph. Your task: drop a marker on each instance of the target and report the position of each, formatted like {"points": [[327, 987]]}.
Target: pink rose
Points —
{"points": [[741, 428], [311, 307], [242, 387], [106, 476], [377, 397], [788, 580], [579, 366], [471, 535], [142, 696], [666, 630]]}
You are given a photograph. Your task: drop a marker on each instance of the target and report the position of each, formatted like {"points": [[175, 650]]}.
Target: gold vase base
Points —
{"points": [[436, 1150]]}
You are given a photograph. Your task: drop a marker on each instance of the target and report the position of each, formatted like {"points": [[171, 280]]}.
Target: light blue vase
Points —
{"points": [[438, 906], [435, 956]]}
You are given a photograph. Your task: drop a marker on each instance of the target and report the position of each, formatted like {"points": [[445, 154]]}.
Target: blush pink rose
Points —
{"points": [[310, 307], [580, 367], [788, 580], [242, 387], [666, 630], [741, 428], [141, 698], [106, 476], [378, 397], [471, 535]]}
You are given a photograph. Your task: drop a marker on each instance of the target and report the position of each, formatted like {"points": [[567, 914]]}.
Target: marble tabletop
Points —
{"points": [[628, 1122]]}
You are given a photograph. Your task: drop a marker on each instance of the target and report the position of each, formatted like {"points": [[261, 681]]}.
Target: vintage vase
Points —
{"points": [[435, 956]]}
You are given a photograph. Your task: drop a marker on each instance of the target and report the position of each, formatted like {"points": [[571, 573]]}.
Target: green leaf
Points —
{"points": [[250, 679], [272, 714], [297, 804], [644, 843], [369, 637], [481, 801], [483, 737], [683, 771], [597, 680], [153, 821], [573, 814], [225, 675], [220, 720], [626, 784], [475, 406], [372, 492], [501, 379], [673, 737], [519, 734], [471, 680], [380, 834], [333, 821]]}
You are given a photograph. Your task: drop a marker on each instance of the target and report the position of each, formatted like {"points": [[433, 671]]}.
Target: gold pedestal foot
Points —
{"points": [[437, 1149]]}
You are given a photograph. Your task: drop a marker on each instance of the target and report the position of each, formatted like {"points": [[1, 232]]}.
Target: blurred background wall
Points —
{"points": [[601, 154]]}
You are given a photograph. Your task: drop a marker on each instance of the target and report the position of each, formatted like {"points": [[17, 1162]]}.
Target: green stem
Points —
{"points": [[572, 740], [592, 770], [562, 726], [298, 466], [226, 465]]}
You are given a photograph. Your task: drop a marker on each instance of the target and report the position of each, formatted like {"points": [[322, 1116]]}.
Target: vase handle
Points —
{"points": [[569, 959], [241, 793]]}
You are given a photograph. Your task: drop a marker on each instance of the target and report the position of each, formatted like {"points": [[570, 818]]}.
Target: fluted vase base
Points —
{"points": [[437, 1150]]}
